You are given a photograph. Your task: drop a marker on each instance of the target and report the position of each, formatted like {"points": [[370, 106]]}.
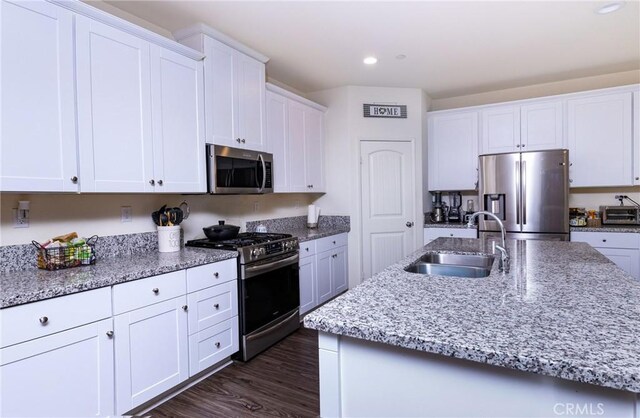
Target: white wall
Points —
{"points": [[345, 128], [89, 214]]}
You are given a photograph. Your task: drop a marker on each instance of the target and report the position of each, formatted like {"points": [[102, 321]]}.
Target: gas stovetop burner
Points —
{"points": [[252, 246]]}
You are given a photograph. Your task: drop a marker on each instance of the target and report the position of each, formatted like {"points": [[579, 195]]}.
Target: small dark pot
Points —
{"points": [[221, 232]]}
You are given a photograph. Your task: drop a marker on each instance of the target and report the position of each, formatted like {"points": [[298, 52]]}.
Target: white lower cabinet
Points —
{"points": [[621, 248], [432, 233], [151, 352], [308, 284], [213, 345]]}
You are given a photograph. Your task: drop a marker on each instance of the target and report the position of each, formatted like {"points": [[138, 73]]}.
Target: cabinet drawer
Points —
{"points": [[213, 305], [328, 243], [213, 274], [307, 248], [34, 320], [608, 239], [145, 292], [212, 345]]}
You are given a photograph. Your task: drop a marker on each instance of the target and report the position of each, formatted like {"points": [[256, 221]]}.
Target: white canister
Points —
{"points": [[169, 238]]}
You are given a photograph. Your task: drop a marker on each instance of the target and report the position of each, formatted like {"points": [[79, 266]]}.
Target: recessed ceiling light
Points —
{"points": [[609, 8], [370, 60], [401, 56]]}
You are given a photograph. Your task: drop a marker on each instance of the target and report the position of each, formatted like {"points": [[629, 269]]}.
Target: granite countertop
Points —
{"points": [[448, 225], [32, 285], [564, 310], [306, 234], [608, 228]]}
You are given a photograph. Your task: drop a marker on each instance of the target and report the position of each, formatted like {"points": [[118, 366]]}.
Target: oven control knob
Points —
{"points": [[255, 252], [262, 251]]}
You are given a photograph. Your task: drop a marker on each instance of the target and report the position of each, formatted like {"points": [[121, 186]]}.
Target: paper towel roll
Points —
{"points": [[311, 214]]}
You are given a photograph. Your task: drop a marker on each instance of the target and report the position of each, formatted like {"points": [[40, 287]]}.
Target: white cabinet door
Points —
{"points": [[323, 278], [151, 354], [220, 91], [627, 259], [339, 269], [69, 373], [500, 129], [600, 140], [178, 125], [114, 109], [308, 284], [37, 105], [313, 137], [250, 93], [453, 151], [297, 150], [636, 138], [276, 140], [541, 126]]}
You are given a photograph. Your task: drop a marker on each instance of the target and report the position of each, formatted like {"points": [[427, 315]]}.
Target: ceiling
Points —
{"points": [[452, 48]]}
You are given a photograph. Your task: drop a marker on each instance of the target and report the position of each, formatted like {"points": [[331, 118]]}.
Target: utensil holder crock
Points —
{"points": [[169, 238]]}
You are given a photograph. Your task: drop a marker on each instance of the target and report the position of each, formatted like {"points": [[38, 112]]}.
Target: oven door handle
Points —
{"points": [[273, 327], [253, 271]]}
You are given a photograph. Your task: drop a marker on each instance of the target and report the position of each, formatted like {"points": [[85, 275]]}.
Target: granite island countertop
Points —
{"points": [[32, 285], [564, 310]]}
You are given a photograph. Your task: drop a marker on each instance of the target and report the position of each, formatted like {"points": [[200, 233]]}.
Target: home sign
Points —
{"points": [[385, 111]]}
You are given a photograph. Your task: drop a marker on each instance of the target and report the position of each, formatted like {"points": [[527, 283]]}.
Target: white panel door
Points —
{"points": [[541, 126], [220, 105], [453, 151], [339, 271], [308, 295], [388, 203], [114, 109], [37, 106], [324, 288], [297, 148], [151, 353], [500, 129], [313, 138], [627, 259], [276, 140], [66, 374], [178, 122], [250, 85], [600, 140]]}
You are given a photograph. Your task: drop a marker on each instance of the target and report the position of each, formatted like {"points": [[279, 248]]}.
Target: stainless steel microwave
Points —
{"points": [[238, 171]]}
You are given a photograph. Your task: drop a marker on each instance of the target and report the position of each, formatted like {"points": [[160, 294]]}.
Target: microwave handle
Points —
{"points": [[264, 172]]}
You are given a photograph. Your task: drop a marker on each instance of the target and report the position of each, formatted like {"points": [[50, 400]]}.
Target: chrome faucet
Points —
{"points": [[504, 254]]}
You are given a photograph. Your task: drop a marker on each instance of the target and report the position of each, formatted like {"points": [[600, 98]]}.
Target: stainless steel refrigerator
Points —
{"points": [[529, 191]]}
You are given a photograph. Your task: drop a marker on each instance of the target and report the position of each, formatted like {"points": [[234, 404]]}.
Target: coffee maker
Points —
{"points": [[455, 214], [438, 212]]}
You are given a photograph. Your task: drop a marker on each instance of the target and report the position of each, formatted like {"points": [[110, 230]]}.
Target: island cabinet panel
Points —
{"points": [[621, 248], [65, 374], [432, 233], [358, 376], [38, 135]]}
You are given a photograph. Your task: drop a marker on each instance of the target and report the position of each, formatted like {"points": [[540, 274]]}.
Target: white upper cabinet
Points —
{"points": [[221, 106], [314, 143], [532, 126], [296, 145], [114, 109], [600, 140], [276, 111], [636, 137], [37, 106], [453, 151], [250, 94], [178, 122]]}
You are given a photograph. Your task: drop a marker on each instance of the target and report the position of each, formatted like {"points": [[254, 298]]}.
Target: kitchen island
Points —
{"points": [[557, 335]]}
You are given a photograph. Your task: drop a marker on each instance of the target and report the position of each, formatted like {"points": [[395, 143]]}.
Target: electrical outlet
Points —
{"points": [[256, 207], [19, 222], [297, 204], [125, 214]]}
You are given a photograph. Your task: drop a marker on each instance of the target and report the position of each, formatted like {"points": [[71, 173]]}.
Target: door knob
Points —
{"points": [[409, 224]]}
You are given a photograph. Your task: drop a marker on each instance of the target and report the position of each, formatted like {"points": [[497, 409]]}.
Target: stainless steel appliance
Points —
{"points": [[238, 171], [620, 215], [528, 191], [438, 213], [455, 213], [268, 287]]}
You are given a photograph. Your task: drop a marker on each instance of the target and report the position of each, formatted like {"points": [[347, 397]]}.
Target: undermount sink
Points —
{"points": [[456, 265]]}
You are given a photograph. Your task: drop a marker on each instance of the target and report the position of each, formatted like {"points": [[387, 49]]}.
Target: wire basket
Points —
{"points": [[66, 257]]}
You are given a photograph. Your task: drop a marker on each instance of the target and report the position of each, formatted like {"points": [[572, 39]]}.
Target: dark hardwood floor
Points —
{"points": [[280, 382]]}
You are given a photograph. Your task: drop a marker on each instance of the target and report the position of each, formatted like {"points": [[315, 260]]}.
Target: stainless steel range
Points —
{"points": [[268, 287]]}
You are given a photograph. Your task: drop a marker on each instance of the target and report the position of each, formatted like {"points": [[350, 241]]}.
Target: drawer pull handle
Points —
{"points": [[450, 235], [604, 240], [185, 308], [217, 345], [110, 334], [217, 306], [334, 242], [307, 249], [216, 274], [155, 290], [44, 320]]}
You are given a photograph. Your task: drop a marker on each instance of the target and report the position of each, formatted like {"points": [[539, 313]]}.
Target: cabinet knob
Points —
{"points": [[152, 182], [450, 235], [216, 274], [570, 180], [604, 240], [74, 179], [522, 145], [185, 308], [409, 224], [217, 306], [243, 141], [110, 334], [155, 290], [312, 186], [238, 140], [518, 146], [307, 249], [217, 345], [160, 182], [637, 178], [44, 320]]}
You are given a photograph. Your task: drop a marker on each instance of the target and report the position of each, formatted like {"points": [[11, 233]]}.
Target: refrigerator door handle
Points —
{"points": [[523, 176], [518, 196]]}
